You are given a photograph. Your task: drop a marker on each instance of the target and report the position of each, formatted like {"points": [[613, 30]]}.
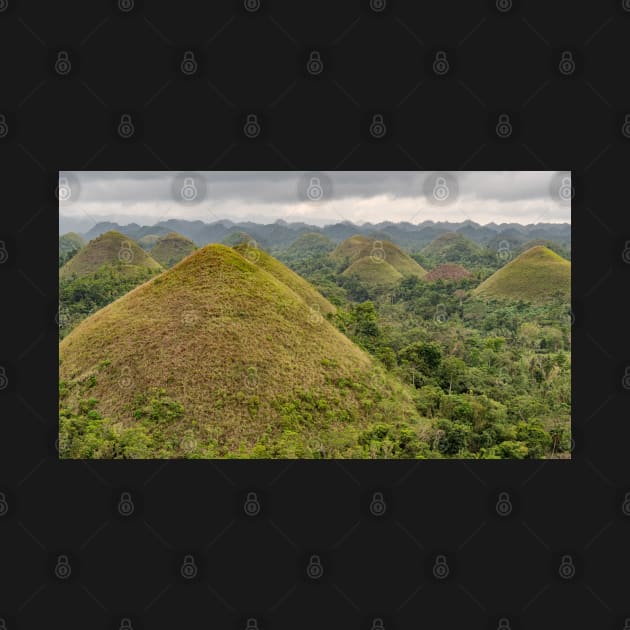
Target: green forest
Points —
{"points": [[314, 348]]}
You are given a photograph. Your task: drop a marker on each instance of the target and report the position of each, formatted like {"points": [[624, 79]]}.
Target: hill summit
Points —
{"points": [[111, 248], [221, 355], [376, 263], [171, 248], [451, 247], [537, 275]]}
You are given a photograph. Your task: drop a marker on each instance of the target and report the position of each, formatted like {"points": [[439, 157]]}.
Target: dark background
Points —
{"points": [[125, 571]]}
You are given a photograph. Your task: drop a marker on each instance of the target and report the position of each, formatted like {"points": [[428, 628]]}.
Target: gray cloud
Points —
{"points": [[146, 196]]}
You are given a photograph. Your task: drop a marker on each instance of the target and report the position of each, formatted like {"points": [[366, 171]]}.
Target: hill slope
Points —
{"points": [[107, 249], [537, 275], [217, 357], [447, 272], [170, 249], [69, 245], [357, 247], [296, 283], [452, 247], [373, 272]]}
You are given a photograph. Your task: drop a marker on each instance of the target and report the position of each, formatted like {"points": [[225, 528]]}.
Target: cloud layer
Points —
{"points": [[357, 196]]}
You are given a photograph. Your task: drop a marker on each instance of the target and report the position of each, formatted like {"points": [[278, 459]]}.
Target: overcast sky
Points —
{"points": [[316, 198]]}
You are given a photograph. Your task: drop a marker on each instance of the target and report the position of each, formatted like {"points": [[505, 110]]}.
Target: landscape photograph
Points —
{"points": [[315, 315]]}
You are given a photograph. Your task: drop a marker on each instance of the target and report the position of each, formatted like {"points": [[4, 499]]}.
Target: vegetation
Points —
{"points": [[537, 275], [69, 245], [233, 354], [109, 248], [171, 248]]}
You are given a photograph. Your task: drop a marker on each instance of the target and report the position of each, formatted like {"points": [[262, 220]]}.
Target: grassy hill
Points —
{"points": [[357, 247], [451, 247], [69, 245], [289, 278], [219, 357], [148, 241], [537, 275], [373, 272], [172, 248], [107, 249], [238, 238], [447, 272], [310, 244]]}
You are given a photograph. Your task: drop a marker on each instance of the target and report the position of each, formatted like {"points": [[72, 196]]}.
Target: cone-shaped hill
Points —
{"points": [[70, 241], [148, 241], [537, 275], [69, 245], [374, 262], [171, 248], [310, 244], [451, 247], [218, 357], [447, 272], [238, 238], [313, 298], [111, 248]]}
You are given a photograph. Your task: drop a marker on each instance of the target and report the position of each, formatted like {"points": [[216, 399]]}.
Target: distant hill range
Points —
{"points": [[408, 235]]}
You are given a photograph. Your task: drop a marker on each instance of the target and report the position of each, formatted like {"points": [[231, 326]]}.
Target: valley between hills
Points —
{"points": [[288, 341]]}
